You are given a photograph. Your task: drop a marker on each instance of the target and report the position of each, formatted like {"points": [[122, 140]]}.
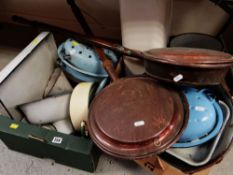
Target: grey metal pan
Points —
{"points": [[225, 141], [202, 154]]}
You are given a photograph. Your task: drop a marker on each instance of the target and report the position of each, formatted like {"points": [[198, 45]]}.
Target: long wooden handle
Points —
{"points": [[107, 64], [96, 41], [99, 42]]}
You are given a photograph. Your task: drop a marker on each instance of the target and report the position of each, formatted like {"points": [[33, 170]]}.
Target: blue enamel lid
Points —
{"points": [[83, 57]]}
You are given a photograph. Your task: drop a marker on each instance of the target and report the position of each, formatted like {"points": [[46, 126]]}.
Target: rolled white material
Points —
{"points": [[145, 25], [79, 103], [64, 126], [47, 110]]}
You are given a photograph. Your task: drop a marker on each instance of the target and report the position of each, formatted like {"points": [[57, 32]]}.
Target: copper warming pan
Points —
{"points": [[189, 66], [135, 117]]}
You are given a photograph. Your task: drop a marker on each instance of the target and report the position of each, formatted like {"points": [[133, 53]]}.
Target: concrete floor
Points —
{"points": [[12, 162]]}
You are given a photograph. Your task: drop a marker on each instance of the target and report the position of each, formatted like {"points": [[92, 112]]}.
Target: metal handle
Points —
{"points": [[37, 138], [107, 64]]}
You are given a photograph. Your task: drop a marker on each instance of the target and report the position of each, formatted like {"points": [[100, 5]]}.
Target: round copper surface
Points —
{"points": [[191, 56], [135, 117]]}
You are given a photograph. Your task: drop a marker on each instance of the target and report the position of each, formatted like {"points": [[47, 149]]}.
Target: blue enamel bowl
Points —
{"points": [[81, 76], [205, 120]]}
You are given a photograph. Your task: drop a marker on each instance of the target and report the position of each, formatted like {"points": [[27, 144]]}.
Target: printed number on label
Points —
{"points": [[57, 140]]}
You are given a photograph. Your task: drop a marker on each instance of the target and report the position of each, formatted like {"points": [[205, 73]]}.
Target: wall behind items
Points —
{"points": [[104, 15]]}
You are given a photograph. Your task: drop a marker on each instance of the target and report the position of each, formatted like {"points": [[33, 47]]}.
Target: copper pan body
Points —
{"points": [[188, 66], [196, 76]]}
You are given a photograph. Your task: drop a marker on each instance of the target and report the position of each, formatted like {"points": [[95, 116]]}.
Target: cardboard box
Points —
{"points": [[23, 80], [157, 166]]}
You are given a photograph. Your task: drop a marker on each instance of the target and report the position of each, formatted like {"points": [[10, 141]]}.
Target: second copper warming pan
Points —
{"points": [[136, 117]]}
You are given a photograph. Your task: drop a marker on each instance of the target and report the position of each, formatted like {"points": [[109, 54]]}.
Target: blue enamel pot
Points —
{"points": [[205, 120]]}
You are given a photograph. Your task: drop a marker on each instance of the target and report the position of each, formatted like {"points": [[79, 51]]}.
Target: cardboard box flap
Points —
{"points": [[25, 77]]}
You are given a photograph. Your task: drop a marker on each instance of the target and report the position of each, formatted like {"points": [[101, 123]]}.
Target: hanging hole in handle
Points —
{"points": [[40, 139]]}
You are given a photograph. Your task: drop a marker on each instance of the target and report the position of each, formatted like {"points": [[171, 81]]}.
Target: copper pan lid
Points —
{"points": [[135, 117], [191, 57]]}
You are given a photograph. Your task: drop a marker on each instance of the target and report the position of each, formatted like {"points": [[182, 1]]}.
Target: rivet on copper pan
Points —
{"points": [[157, 142]]}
